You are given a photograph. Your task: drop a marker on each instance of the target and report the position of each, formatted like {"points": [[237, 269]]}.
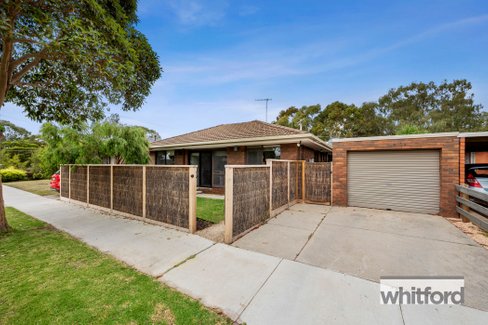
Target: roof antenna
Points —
{"points": [[265, 100]]}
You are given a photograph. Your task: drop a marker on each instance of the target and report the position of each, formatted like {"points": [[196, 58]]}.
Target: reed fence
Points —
{"points": [[156, 194], [253, 194], [280, 173], [317, 182], [247, 199]]}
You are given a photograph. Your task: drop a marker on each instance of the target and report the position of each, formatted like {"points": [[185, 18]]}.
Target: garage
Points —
{"points": [[406, 180], [412, 173]]}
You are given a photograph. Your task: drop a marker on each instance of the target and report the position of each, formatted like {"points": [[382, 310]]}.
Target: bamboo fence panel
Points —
{"points": [[294, 165], [167, 198], [78, 183], [99, 183], [279, 171], [299, 180], [64, 181], [127, 189], [251, 198], [318, 182]]}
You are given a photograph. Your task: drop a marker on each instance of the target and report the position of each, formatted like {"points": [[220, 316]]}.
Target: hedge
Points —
{"points": [[12, 174]]}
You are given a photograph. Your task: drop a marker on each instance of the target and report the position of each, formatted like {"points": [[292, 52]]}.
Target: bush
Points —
{"points": [[12, 174]]}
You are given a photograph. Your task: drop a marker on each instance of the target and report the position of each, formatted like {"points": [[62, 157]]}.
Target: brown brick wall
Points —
{"points": [[307, 154], [449, 165], [181, 157], [236, 157], [289, 151]]}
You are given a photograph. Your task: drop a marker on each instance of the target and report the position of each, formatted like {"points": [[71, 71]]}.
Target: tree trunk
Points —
{"points": [[3, 219]]}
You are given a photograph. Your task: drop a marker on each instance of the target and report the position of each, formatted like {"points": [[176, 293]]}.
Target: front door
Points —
{"points": [[205, 169]]}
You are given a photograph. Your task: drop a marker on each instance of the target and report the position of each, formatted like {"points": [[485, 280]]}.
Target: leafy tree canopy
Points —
{"points": [[10, 131], [17, 145], [416, 108], [92, 144], [448, 106], [65, 61]]}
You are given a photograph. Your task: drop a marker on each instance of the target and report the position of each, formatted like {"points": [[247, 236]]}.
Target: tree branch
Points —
{"points": [[16, 77], [26, 40], [21, 60]]}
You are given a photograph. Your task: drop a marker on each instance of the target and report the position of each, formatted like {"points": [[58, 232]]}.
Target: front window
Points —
{"points": [[165, 157], [258, 156]]}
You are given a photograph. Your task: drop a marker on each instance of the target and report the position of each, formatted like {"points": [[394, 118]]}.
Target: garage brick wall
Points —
{"points": [[449, 165]]}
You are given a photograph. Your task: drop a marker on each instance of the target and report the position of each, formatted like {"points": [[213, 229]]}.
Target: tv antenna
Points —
{"points": [[265, 100]]}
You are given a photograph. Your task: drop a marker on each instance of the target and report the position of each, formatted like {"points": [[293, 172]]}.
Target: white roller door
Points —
{"points": [[396, 180]]}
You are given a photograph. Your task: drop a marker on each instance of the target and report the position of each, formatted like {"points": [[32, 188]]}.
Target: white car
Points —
{"points": [[477, 177]]}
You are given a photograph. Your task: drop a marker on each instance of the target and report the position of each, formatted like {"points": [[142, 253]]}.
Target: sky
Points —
{"points": [[219, 56]]}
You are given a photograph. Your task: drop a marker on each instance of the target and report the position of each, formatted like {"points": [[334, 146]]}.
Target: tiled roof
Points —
{"points": [[234, 131]]}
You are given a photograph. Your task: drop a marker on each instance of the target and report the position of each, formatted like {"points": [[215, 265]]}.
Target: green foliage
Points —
{"points": [[10, 131], [302, 118], [409, 129], [12, 174], [67, 60], [416, 108], [94, 144], [433, 108], [17, 147], [339, 120]]}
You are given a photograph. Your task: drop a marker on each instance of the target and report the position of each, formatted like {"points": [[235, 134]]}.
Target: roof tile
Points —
{"points": [[233, 131]]}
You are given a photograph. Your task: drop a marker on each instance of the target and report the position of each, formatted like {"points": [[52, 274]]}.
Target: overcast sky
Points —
{"points": [[219, 56]]}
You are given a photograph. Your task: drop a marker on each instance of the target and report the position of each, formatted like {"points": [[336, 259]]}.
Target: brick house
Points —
{"points": [[247, 143]]}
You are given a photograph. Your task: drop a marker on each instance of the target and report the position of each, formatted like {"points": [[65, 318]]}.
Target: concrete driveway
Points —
{"points": [[369, 243]]}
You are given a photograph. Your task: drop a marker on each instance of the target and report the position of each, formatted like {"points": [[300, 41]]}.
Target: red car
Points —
{"points": [[55, 181]]}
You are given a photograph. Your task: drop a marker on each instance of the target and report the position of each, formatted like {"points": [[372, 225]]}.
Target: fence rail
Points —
{"points": [[157, 194], [472, 206]]}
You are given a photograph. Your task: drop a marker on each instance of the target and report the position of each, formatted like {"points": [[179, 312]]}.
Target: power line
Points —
{"points": [[265, 100]]}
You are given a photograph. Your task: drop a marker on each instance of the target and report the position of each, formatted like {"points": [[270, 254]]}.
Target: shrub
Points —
{"points": [[11, 174]]}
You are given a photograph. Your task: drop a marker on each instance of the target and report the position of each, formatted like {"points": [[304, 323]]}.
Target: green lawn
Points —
{"points": [[49, 277], [210, 209], [39, 187]]}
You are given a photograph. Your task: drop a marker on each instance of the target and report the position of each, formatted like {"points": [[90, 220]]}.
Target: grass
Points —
{"points": [[39, 187], [210, 209], [48, 277]]}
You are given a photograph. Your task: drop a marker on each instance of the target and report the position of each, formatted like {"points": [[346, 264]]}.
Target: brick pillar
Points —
{"points": [[462, 160]]}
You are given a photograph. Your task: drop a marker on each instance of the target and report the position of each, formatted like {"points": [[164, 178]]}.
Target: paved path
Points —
{"points": [[248, 286]]}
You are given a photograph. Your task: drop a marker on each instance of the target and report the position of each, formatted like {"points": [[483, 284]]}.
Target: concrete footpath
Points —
{"points": [[247, 286]]}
